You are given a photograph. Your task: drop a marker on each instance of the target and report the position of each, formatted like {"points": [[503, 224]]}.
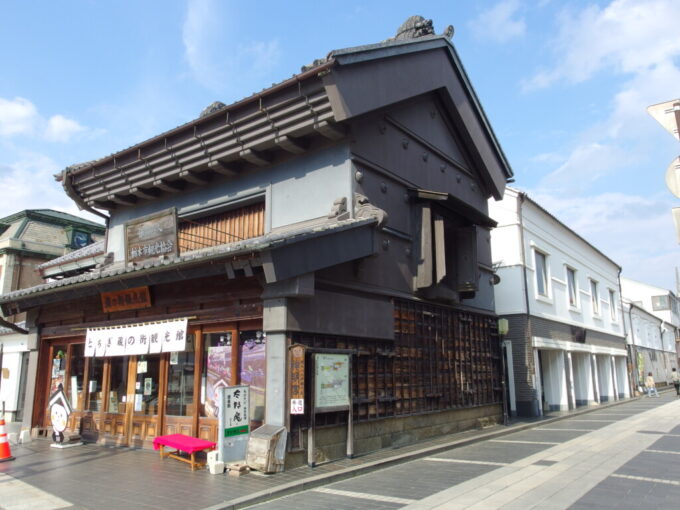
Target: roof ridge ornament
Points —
{"points": [[417, 26], [212, 108]]}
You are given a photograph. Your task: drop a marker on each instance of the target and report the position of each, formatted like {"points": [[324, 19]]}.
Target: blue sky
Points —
{"points": [[565, 85]]}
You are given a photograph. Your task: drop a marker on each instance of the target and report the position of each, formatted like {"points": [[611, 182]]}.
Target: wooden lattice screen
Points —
{"points": [[440, 359], [223, 228]]}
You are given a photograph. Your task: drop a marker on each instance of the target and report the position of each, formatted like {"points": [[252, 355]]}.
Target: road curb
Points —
{"points": [[314, 481]]}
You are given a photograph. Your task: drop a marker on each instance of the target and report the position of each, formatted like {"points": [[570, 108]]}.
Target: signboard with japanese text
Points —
{"points": [[297, 379], [331, 381], [151, 236], [128, 299], [236, 405], [137, 339]]}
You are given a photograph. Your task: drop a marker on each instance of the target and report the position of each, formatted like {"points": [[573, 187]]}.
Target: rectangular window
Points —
{"points": [[612, 304], [571, 284], [594, 297], [541, 273], [661, 303]]}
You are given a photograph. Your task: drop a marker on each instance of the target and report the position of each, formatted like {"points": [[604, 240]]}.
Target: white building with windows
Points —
{"points": [[652, 317], [566, 344]]}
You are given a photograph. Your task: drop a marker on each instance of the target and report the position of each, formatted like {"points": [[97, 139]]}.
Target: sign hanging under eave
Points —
{"points": [[137, 339]]}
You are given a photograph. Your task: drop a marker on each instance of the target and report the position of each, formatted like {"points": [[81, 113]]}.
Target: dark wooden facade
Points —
{"points": [[213, 306]]}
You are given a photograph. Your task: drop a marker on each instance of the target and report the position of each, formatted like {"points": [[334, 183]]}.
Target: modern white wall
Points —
{"points": [[563, 248]]}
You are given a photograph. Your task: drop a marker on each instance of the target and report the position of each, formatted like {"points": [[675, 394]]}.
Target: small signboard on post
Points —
{"points": [[234, 422], [331, 392]]}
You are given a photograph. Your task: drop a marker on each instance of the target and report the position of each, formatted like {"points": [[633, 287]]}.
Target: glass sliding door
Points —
{"points": [[180, 408]]}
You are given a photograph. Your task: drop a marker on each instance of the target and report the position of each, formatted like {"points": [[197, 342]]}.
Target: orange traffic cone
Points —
{"points": [[5, 453]]}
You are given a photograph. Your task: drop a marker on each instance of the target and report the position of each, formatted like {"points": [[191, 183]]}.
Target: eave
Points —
{"points": [[230, 141]]}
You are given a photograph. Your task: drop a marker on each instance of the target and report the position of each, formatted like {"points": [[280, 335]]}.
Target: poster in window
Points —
{"points": [[148, 386], [331, 380], [219, 374], [253, 371]]}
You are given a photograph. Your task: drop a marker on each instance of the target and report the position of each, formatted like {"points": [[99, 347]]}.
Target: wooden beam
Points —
{"points": [[291, 144], [255, 157], [146, 194], [123, 199], [219, 167], [192, 177], [102, 204], [330, 131], [169, 186]]}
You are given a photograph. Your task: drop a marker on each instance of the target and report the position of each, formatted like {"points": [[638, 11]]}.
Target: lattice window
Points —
{"points": [[440, 359], [223, 228]]}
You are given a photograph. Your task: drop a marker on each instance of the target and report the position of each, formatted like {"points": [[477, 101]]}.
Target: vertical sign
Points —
{"points": [[236, 402], [297, 379], [232, 439]]}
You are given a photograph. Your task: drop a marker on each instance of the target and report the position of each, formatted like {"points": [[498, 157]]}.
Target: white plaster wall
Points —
{"points": [[583, 381], [509, 293], [622, 376], [643, 292], [295, 191], [554, 379], [606, 383]]}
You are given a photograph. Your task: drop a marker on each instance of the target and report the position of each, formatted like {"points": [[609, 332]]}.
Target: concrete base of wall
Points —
{"points": [[331, 442], [584, 403], [557, 407], [605, 398]]}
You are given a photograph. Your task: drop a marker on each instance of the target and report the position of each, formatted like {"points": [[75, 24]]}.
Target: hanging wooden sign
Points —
{"points": [[128, 299], [297, 379], [151, 236]]}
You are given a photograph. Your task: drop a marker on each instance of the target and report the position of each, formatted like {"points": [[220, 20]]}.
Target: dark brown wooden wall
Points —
{"points": [[440, 359], [209, 299]]}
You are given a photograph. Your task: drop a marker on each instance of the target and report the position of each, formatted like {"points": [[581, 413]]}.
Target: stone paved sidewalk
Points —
{"points": [[96, 477]]}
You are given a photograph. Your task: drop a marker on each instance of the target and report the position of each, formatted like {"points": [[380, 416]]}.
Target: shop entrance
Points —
{"points": [[129, 400]]}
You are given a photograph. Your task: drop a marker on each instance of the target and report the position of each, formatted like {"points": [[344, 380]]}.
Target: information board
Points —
{"points": [[331, 381]]}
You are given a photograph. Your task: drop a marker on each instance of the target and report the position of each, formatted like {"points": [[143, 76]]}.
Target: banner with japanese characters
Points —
{"points": [[137, 339]]}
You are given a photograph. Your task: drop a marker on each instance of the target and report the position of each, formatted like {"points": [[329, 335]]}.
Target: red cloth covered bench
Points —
{"points": [[182, 443]]}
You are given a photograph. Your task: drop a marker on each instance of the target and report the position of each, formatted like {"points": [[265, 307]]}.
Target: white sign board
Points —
{"points": [[234, 422], [331, 380], [137, 339], [297, 406]]}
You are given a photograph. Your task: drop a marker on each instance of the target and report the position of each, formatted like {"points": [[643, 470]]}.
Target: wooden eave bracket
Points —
{"points": [[222, 168], [291, 145], [330, 130], [255, 157]]}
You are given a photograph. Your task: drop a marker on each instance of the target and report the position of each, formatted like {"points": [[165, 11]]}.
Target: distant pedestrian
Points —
{"points": [[675, 377], [650, 385]]}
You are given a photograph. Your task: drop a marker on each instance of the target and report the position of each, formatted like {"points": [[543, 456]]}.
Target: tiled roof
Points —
{"points": [[57, 215], [8, 331], [91, 250], [256, 244]]}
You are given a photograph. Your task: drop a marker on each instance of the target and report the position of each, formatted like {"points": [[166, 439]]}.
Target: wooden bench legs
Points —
{"points": [[178, 456]]}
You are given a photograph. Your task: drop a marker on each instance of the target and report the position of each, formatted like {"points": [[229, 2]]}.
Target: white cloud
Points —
{"points": [[629, 36], [586, 164], [61, 129], [636, 232], [217, 55], [28, 183], [19, 116], [499, 23]]}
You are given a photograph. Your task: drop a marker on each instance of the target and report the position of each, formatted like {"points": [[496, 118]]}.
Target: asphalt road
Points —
{"points": [[627, 456]]}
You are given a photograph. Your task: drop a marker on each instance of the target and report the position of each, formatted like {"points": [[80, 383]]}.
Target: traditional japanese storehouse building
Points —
{"points": [[343, 209]]}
